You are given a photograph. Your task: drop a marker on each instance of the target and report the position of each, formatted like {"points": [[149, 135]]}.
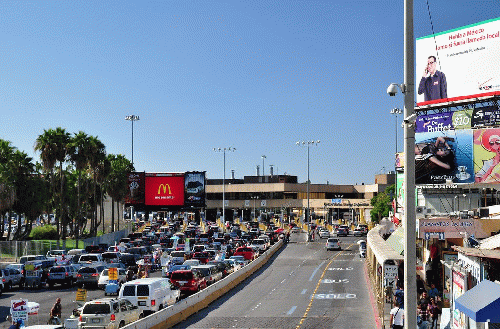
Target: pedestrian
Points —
{"points": [[423, 317], [434, 311], [433, 292], [399, 297], [17, 324], [420, 285], [424, 300], [397, 317]]}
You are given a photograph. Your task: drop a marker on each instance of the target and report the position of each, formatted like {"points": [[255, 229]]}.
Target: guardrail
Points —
{"points": [[181, 310]]}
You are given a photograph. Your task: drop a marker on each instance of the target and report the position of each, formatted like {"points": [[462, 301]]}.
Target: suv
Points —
{"points": [[89, 275], [11, 277], [210, 272], [188, 281], [109, 313], [63, 275]]}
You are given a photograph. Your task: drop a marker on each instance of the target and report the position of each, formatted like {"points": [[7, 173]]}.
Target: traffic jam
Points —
{"points": [[151, 269]]}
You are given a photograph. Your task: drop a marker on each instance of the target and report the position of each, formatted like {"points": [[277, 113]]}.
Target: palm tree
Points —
{"points": [[97, 153], [7, 188], [79, 151], [117, 181], [53, 147]]}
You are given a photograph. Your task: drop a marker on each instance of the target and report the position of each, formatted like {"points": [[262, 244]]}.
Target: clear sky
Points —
{"points": [[256, 75]]}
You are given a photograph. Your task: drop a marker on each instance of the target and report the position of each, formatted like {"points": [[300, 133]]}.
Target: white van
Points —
{"points": [[150, 294]]}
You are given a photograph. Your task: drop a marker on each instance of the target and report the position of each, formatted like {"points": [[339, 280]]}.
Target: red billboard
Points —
{"points": [[164, 189]]}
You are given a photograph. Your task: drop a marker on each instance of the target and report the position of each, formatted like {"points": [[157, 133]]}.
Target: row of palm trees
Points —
{"points": [[71, 181]]}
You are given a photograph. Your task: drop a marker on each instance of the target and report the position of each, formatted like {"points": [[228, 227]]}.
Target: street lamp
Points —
{"points": [[254, 210], [396, 111], [223, 150], [308, 144], [263, 158], [132, 118], [408, 89]]}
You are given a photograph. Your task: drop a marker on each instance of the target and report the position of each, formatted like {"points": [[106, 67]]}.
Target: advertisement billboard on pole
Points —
{"points": [[164, 189], [458, 65], [194, 188]]}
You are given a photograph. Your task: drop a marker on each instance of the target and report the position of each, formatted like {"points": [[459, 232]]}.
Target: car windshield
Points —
{"points": [[182, 276], [57, 270], [88, 258], [87, 270], [96, 308]]}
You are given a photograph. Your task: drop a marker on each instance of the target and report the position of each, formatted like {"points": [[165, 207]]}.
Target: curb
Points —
{"points": [[372, 297]]}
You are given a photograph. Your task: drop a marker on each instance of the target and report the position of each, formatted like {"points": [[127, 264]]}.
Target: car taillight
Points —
{"points": [[67, 274], [78, 275], [191, 282], [80, 319], [153, 302], [95, 274], [113, 317], [3, 280], [48, 274], [22, 272]]}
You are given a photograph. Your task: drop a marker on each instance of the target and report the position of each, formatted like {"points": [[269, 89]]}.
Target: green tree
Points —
{"points": [[7, 180], [53, 147], [97, 155], [382, 204], [116, 182]]}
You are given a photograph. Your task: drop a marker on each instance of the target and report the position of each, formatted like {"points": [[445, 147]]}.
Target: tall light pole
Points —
{"points": [[263, 158], [254, 210], [308, 144], [396, 111], [223, 150], [408, 89], [132, 118]]}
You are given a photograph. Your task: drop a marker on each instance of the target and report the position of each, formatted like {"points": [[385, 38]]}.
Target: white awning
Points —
{"points": [[380, 248]]}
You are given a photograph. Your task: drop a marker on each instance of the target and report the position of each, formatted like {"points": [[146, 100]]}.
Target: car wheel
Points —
{"points": [[80, 285], [141, 316], [122, 324], [51, 285], [8, 285]]}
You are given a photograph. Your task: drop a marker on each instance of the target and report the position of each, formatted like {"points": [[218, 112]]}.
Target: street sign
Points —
{"points": [[19, 309], [81, 295], [390, 271], [113, 273], [430, 235], [390, 282]]}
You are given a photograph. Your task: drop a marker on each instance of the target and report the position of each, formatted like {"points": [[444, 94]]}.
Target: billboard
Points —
{"points": [[487, 155], [135, 193], [458, 64], [194, 189], [164, 189], [444, 156]]}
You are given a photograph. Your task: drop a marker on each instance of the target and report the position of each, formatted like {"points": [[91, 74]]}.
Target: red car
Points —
{"points": [[246, 252], [202, 256], [188, 281]]}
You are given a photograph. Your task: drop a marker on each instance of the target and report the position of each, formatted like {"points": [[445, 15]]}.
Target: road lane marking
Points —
{"points": [[316, 270], [291, 310], [303, 292], [316, 289], [335, 281]]}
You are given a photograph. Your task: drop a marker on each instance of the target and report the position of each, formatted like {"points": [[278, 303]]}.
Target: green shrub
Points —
{"points": [[47, 232]]}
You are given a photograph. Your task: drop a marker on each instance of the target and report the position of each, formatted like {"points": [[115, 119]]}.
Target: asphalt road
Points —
{"points": [[303, 286], [46, 298]]}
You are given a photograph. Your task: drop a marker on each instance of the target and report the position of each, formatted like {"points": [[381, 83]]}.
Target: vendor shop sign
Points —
{"points": [[19, 309], [471, 265], [438, 228]]}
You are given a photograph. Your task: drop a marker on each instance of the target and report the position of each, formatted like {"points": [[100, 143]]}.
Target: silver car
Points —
{"points": [[108, 313]]}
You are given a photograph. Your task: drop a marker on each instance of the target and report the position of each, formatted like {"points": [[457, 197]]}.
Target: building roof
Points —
{"points": [[490, 243], [483, 253]]}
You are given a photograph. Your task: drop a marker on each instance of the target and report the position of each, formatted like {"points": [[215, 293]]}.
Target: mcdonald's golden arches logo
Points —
{"points": [[165, 186]]}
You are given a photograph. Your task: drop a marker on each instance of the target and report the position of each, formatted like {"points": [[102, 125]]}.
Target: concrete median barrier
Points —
{"points": [[181, 310]]}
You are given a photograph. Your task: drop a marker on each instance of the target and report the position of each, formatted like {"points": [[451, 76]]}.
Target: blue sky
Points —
{"points": [[254, 75]]}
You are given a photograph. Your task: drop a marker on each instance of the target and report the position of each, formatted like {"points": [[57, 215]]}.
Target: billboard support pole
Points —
{"points": [[410, 257]]}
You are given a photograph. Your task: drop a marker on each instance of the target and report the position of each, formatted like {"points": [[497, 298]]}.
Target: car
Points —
{"points": [[89, 275], [239, 260], [150, 294], [222, 266], [167, 270], [11, 277], [202, 256], [341, 231], [211, 273], [192, 262], [363, 228], [104, 277], [295, 229], [358, 232], [333, 244], [234, 264], [258, 245], [246, 252], [63, 275], [188, 280], [324, 234], [108, 313]]}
